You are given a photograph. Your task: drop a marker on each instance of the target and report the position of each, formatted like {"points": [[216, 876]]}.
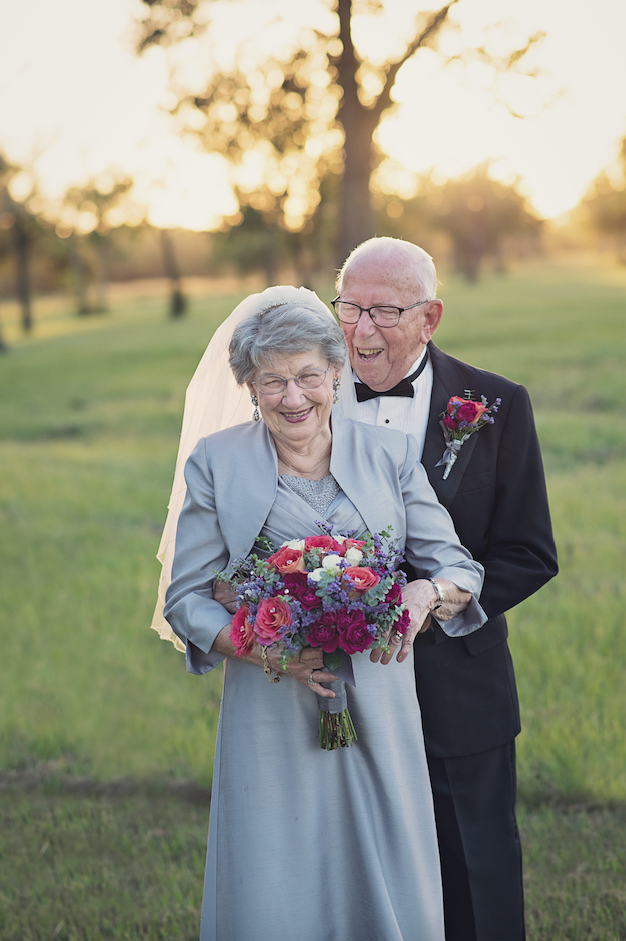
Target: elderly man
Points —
{"points": [[496, 495]]}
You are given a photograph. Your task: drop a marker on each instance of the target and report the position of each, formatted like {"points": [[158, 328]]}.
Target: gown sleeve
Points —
{"points": [[200, 551], [433, 547]]}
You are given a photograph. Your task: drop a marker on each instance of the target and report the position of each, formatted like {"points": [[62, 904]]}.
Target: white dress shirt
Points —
{"points": [[402, 413]]}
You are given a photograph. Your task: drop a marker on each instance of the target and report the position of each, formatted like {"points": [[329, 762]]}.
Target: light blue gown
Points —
{"points": [[310, 845]]}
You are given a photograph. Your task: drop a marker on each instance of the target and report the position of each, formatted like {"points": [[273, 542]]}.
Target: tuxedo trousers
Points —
{"points": [[479, 845]]}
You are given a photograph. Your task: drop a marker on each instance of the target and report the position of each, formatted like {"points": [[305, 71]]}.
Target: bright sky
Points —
{"points": [[76, 100]]}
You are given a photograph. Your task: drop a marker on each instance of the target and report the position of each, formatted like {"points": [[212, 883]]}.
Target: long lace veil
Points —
{"points": [[214, 401]]}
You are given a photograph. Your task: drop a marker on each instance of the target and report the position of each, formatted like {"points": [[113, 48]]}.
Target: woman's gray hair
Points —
{"points": [[283, 330]]}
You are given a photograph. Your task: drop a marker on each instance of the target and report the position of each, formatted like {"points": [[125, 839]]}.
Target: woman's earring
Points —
{"points": [[255, 415], [336, 387]]}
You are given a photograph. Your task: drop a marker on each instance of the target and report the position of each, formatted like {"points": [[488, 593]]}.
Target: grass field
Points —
{"points": [[89, 422]]}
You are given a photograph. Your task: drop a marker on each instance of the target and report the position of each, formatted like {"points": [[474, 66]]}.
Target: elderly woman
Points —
{"points": [[307, 844]]}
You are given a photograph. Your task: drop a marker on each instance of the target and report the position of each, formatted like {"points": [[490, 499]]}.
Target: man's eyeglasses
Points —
{"points": [[381, 316], [307, 379]]}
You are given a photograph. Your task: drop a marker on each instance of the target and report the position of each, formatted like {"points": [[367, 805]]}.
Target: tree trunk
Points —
{"points": [[21, 244], [356, 217], [79, 277], [178, 301]]}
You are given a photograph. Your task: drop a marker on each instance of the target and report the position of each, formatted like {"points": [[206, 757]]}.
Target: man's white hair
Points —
{"points": [[418, 265]]}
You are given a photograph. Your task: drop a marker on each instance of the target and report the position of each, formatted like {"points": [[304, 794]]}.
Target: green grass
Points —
{"points": [[106, 868], [89, 422]]}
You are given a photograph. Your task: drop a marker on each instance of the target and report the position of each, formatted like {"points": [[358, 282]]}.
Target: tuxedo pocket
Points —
{"points": [[472, 482]]}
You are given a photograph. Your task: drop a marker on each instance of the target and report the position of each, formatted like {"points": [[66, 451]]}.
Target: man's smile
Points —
{"points": [[367, 355]]}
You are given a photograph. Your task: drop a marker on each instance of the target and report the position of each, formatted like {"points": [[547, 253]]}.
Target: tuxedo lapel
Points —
{"points": [[447, 381]]}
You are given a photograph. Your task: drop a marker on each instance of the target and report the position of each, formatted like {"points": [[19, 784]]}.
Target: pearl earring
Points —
{"points": [[336, 387], [255, 415]]}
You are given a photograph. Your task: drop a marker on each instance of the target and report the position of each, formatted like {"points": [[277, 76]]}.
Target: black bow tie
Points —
{"points": [[404, 387]]}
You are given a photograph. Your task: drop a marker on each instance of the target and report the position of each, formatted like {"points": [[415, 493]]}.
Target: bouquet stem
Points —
{"points": [[336, 730]]}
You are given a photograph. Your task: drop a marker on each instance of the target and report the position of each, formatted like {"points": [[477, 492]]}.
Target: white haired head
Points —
{"points": [[416, 264]]}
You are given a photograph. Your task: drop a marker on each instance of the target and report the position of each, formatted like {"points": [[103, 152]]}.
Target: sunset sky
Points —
{"points": [[75, 101]]}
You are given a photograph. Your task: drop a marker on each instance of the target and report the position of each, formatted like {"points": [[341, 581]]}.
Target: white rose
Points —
{"points": [[340, 538], [353, 555], [316, 574], [294, 544], [331, 563]]}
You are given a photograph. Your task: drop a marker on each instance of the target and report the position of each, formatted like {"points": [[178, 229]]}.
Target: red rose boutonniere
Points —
{"points": [[461, 419]]}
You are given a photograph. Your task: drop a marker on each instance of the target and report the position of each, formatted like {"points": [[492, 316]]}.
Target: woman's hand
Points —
{"points": [[308, 664], [421, 598]]}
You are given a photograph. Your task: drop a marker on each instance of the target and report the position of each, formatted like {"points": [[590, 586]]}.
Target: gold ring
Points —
{"points": [[310, 680]]}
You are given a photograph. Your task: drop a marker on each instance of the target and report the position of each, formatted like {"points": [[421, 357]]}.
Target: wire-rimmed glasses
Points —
{"points": [[307, 379], [382, 316]]}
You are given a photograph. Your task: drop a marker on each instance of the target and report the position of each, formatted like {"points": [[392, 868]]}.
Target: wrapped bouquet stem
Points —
{"points": [[340, 594]]}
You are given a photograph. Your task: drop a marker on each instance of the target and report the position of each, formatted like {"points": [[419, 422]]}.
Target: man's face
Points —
{"points": [[381, 356]]}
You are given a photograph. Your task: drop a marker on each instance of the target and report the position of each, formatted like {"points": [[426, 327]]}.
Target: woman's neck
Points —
{"points": [[309, 459]]}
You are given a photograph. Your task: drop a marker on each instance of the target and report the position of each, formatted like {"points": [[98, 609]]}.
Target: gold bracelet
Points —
{"points": [[267, 668]]}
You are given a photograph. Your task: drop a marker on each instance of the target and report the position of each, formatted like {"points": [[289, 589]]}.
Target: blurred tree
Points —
{"points": [[478, 214], [286, 120], [86, 217], [605, 204], [178, 301], [21, 226]]}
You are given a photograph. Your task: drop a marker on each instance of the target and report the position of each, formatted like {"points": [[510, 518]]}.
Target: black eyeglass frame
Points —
{"points": [[286, 381], [368, 310]]}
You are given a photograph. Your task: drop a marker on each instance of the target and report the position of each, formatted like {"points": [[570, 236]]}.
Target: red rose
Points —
{"points": [[287, 560], [403, 622], [299, 588], [242, 632], [327, 543], [450, 423], [471, 412], [354, 636], [271, 615], [324, 633], [394, 595], [362, 577]]}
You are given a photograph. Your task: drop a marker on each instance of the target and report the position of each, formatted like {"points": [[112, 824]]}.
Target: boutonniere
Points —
{"points": [[461, 419]]}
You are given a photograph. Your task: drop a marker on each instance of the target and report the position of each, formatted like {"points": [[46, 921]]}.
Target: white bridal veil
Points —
{"points": [[214, 401]]}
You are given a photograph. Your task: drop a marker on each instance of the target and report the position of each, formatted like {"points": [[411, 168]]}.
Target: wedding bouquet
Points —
{"points": [[329, 591]]}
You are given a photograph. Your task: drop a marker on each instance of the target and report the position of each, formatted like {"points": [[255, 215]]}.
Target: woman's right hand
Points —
{"points": [[308, 664]]}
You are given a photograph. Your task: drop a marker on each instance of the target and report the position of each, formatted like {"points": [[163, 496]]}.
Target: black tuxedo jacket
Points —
{"points": [[496, 495]]}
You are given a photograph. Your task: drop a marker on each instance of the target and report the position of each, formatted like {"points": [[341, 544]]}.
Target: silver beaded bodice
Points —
{"points": [[319, 494]]}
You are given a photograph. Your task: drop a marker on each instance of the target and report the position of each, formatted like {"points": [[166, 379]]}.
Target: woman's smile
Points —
{"points": [[296, 417]]}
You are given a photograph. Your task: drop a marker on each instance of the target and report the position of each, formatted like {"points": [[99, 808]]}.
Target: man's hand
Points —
{"points": [[225, 596], [420, 598]]}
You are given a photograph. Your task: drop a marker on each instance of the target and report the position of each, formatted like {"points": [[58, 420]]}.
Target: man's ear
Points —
{"points": [[432, 319]]}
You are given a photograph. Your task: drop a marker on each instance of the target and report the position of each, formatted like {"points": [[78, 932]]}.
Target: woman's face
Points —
{"points": [[297, 415]]}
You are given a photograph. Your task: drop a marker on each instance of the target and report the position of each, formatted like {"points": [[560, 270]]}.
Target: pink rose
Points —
{"points": [[450, 423], [299, 588], [353, 544], [242, 632], [327, 543], [471, 412], [354, 636], [361, 577], [287, 560], [324, 633], [454, 402], [271, 615]]}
